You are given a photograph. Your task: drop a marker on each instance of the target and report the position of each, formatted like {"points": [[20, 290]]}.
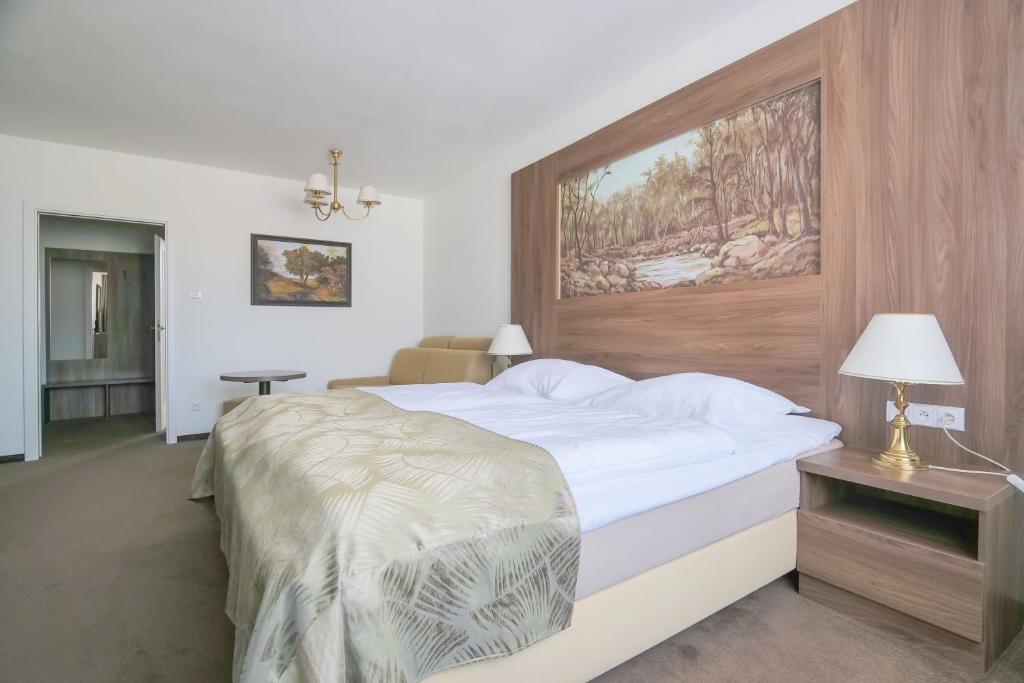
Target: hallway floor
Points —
{"points": [[67, 438]]}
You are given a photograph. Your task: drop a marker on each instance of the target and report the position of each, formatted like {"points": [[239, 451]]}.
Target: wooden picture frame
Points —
{"points": [[296, 271], [735, 199]]}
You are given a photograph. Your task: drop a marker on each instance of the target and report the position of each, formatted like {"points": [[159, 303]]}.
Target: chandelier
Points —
{"points": [[326, 202]]}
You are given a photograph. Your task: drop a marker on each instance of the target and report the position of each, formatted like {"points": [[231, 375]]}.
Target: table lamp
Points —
{"points": [[510, 340], [904, 349]]}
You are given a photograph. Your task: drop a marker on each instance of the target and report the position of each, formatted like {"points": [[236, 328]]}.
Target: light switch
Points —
{"points": [[195, 293]]}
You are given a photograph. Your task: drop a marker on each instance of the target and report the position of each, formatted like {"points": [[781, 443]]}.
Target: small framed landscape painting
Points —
{"points": [[734, 200], [290, 271]]}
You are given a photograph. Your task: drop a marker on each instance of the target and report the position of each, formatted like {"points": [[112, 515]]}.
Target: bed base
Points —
{"points": [[618, 623]]}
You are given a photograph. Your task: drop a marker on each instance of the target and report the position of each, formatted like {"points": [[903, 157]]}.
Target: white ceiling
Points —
{"points": [[413, 90]]}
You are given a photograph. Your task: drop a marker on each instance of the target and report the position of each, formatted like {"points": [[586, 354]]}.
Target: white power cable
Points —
{"points": [[956, 469], [983, 457], [1012, 478]]}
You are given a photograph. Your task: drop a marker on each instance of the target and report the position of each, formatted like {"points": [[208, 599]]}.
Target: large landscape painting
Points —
{"points": [[287, 271], [737, 199]]}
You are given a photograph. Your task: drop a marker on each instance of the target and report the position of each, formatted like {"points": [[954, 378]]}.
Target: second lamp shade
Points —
{"points": [[903, 347], [510, 340]]}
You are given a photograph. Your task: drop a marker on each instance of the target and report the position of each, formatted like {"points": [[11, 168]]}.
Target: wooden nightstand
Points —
{"points": [[933, 556]]}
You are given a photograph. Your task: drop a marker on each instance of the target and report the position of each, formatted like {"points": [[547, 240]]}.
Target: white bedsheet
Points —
{"points": [[619, 464]]}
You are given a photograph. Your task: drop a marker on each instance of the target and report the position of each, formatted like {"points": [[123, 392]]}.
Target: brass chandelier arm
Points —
{"points": [[321, 216], [356, 220]]}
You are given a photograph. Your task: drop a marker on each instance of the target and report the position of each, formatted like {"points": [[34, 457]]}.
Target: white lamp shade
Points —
{"points": [[318, 183], [903, 347], [368, 196], [510, 340]]}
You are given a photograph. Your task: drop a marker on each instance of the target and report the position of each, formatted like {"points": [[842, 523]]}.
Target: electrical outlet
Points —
{"points": [[927, 415], [922, 415], [950, 417], [196, 407], [195, 293]]}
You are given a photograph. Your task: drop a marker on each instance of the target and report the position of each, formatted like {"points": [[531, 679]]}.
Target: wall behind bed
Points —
{"points": [[922, 144]]}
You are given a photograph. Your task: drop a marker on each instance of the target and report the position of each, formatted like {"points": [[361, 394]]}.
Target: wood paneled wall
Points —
{"points": [[922, 211], [923, 181], [765, 332]]}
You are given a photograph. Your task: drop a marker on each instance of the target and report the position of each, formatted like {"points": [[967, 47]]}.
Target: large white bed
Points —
{"points": [[619, 464], [683, 488], [679, 517]]}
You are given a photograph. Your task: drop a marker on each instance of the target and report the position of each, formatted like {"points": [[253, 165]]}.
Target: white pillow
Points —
{"points": [[722, 401], [557, 380]]}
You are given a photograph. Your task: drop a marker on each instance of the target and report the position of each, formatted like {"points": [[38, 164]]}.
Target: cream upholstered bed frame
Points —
{"points": [[621, 621]]}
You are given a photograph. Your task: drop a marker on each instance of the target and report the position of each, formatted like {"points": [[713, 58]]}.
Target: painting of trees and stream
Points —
{"points": [[734, 200], [300, 272]]}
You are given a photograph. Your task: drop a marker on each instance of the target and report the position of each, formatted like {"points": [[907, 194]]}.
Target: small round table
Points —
{"points": [[264, 377]]}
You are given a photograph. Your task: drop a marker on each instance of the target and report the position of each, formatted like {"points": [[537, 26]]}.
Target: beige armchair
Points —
{"points": [[435, 360], [457, 343]]}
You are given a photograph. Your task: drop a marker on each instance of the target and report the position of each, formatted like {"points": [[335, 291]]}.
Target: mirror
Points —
{"points": [[77, 320]]}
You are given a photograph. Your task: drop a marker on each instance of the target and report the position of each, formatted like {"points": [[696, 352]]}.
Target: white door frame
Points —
{"points": [[159, 328], [32, 312]]}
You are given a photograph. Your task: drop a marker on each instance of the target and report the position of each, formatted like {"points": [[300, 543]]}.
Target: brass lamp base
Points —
{"points": [[899, 455], [899, 461]]}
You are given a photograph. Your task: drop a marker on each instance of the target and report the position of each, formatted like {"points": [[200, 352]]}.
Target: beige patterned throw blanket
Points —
{"points": [[369, 543]]}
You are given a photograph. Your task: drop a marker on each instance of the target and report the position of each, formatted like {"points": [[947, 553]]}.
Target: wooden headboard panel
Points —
{"points": [[767, 332], [922, 133]]}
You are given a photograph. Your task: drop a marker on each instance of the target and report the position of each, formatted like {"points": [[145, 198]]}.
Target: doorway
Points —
{"points": [[102, 345]]}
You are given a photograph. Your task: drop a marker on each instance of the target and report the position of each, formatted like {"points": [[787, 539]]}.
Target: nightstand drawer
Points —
{"points": [[935, 586]]}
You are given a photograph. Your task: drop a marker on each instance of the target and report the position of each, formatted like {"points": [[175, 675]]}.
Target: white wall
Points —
{"points": [[211, 213], [78, 233], [467, 221]]}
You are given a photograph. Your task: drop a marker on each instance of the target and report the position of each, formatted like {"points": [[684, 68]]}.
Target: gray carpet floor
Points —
{"points": [[108, 573]]}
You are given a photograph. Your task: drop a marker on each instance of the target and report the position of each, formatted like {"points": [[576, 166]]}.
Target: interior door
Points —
{"points": [[159, 338]]}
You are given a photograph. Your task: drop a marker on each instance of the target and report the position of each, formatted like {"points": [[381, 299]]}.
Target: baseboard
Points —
{"points": [[17, 457], [193, 437]]}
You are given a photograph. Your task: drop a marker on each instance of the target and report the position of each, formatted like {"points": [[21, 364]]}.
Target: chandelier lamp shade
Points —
{"points": [[322, 193]]}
